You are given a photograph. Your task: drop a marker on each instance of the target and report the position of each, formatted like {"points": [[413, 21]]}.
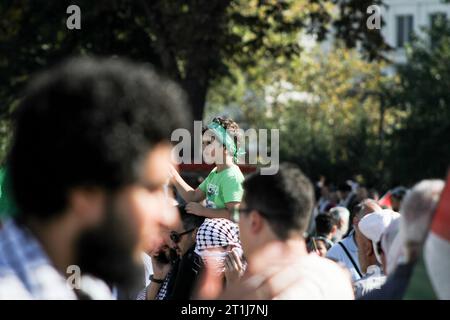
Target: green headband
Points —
{"points": [[225, 139]]}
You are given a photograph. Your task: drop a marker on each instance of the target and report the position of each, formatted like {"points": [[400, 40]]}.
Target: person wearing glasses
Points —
{"points": [[273, 218], [175, 280]]}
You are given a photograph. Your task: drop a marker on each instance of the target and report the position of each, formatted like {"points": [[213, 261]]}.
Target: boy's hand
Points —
{"points": [[195, 208]]}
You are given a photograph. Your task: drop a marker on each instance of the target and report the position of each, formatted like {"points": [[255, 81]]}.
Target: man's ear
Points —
{"points": [[87, 204], [256, 222], [334, 230]]}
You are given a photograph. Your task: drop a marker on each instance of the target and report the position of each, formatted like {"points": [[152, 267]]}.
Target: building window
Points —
{"points": [[437, 20], [405, 25], [437, 17]]}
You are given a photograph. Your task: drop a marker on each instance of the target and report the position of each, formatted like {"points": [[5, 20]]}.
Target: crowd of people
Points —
{"points": [[96, 209]]}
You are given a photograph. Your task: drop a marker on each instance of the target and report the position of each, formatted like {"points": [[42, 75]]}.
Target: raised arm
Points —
{"points": [[186, 191]]}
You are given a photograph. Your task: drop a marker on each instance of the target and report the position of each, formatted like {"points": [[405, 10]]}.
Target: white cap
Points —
{"points": [[374, 224]]}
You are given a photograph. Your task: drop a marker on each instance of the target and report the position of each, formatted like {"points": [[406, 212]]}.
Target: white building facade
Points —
{"points": [[406, 17]]}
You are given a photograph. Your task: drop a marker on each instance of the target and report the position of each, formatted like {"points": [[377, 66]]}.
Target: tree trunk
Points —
{"points": [[196, 88]]}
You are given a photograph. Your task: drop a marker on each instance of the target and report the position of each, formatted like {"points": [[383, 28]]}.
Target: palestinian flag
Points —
{"points": [[431, 275], [385, 201], [437, 246]]}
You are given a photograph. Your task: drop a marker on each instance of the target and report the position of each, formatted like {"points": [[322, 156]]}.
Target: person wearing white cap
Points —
{"points": [[369, 232], [345, 252], [404, 250]]}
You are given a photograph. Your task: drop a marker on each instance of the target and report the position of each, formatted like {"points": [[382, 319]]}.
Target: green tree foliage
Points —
{"points": [[420, 147], [350, 118], [326, 104], [190, 40]]}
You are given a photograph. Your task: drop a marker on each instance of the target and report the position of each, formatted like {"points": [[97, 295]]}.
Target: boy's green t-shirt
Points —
{"points": [[223, 187]]}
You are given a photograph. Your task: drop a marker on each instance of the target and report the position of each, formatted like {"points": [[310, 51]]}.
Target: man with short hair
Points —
{"points": [[177, 281], [342, 215], [346, 250], [183, 240], [88, 161], [272, 220], [326, 226]]}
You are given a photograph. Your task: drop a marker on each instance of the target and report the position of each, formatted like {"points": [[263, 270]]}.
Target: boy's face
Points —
{"points": [[213, 150]]}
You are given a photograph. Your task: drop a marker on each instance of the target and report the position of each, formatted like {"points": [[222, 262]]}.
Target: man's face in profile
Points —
{"points": [[132, 223], [164, 253]]}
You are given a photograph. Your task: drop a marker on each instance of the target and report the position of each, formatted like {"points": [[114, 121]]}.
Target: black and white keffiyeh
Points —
{"points": [[162, 293], [215, 233]]}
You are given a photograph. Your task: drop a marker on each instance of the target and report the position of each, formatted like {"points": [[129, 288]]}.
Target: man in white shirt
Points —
{"points": [[346, 250], [148, 268], [272, 218], [342, 215], [370, 229]]}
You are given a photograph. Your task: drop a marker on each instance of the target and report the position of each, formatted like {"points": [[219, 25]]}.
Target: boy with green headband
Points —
{"points": [[222, 189]]}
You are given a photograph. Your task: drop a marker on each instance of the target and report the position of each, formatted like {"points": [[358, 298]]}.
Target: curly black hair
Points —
{"points": [[88, 122], [232, 128]]}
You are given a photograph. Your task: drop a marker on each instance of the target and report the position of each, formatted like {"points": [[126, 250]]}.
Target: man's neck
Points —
{"points": [[296, 245], [56, 240]]}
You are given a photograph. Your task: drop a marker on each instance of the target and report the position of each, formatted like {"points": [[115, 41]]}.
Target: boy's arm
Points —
{"points": [[186, 191], [199, 210]]}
